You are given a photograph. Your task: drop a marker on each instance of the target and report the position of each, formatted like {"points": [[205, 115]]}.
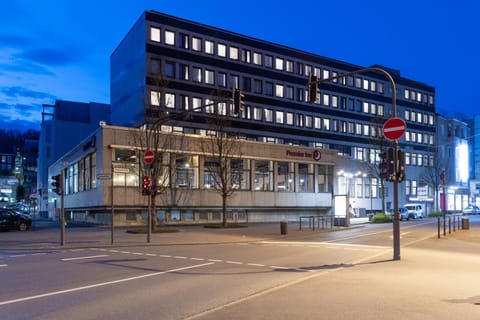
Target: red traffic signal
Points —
{"points": [[146, 185]]}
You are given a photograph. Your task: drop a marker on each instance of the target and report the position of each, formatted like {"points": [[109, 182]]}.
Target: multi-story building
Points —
{"points": [[63, 126], [191, 68]]}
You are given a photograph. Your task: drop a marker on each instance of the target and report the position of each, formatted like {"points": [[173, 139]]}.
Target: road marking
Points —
{"points": [[87, 257], [180, 257], [323, 243], [255, 265], [215, 260], [197, 259], [17, 255], [3, 265], [165, 256], [233, 262], [101, 284], [39, 254]]}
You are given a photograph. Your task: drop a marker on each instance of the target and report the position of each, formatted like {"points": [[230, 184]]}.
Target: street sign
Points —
{"points": [[104, 176], [394, 128], [148, 157]]}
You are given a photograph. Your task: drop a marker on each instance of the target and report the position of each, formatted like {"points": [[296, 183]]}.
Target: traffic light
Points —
{"points": [[401, 166], [237, 97], [57, 187], [383, 166], [386, 165], [146, 185], [312, 87]]}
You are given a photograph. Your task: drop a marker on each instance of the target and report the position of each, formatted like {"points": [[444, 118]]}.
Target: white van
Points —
{"points": [[415, 210]]}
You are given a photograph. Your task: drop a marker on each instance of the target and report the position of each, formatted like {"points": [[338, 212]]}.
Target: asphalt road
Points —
{"points": [[239, 274]]}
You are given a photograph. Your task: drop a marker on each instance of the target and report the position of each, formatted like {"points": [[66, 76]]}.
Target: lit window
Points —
{"points": [[196, 44], [246, 55], [154, 98], [380, 87], [279, 63], [308, 121], [209, 77], [196, 74], [335, 101], [419, 97], [326, 74], [326, 124], [318, 123], [380, 110], [268, 115], [184, 41], [365, 107], [366, 130], [234, 53], [407, 115], [373, 86], [406, 94], [279, 90], [326, 99], [334, 74], [278, 116], [366, 84], [257, 58], [257, 113], [197, 104], [209, 47], [289, 66], [170, 100], [289, 119], [358, 82], [169, 37], [155, 34], [221, 50], [373, 108]]}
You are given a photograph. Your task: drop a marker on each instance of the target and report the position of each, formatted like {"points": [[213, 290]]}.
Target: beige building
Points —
{"points": [[272, 182]]}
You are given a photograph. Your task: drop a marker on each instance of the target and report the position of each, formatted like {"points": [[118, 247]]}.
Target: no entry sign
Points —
{"points": [[148, 157], [394, 128]]}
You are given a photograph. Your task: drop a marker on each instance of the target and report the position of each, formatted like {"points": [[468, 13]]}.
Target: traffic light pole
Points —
{"points": [[62, 209], [312, 92]]}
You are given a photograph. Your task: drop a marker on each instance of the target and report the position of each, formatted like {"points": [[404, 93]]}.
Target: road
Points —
{"points": [[189, 279]]}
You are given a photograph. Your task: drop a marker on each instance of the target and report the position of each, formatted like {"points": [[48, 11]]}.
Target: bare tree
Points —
{"points": [[223, 163], [431, 176]]}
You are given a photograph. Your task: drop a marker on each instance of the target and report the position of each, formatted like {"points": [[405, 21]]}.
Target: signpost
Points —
{"points": [[394, 128], [148, 157]]}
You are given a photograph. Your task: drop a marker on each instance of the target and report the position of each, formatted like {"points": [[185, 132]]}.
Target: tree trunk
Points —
{"points": [[224, 211]]}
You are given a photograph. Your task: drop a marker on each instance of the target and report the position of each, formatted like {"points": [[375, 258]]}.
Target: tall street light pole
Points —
{"points": [[313, 86]]}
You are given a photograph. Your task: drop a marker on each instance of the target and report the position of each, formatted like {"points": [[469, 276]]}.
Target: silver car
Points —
{"points": [[471, 210]]}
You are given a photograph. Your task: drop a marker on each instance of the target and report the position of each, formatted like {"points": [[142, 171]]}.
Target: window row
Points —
{"points": [[412, 95], [420, 117], [419, 137], [256, 57], [359, 186], [195, 172], [81, 176]]}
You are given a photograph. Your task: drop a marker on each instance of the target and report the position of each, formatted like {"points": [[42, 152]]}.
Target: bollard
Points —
{"points": [[283, 227], [438, 224], [449, 225]]}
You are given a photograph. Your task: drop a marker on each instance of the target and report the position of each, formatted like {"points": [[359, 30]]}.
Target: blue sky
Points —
{"points": [[57, 49]]}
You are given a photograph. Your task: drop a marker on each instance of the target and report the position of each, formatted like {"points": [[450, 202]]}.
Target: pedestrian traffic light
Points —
{"points": [[146, 185], [57, 188], [383, 165], [312, 87], [237, 97], [401, 166]]}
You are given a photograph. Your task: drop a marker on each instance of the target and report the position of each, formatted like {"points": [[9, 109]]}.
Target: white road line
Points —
{"points": [[39, 254], [215, 260], [255, 265], [87, 257], [234, 262], [101, 284], [197, 259], [151, 254], [323, 243], [278, 267], [138, 253], [165, 256], [3, 265], [180, 257], [17, 255]]}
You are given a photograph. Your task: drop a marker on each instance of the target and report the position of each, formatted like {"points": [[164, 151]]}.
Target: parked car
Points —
{"points": [[12, 220], [415, 210], [404, 214], [471, 209]]}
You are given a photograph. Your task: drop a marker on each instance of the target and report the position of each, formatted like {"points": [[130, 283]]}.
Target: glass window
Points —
{"points": [[240, 169], [269, 88], [125, 168], [257, 58], [155, 98], [234, 53], [197, 104], [279, 64], [221, 50], [326, 124], [289, 66], [184, 72], [184, 41], [289, 92], [169, 37], [268, 115], [186, 171], [257, 113], [222, 79], [257, 86], [155, 34], [324, 178], [285, 176], [263, 175], [278, 116], [305, 177], [326, 99], [246, 55], [209, 77], [308, 121], [197, 74], [366, 84], [318, 123], [268, 61], [334, 103], [289, 118], [196, 44], [169, 69], [155, 67], [170, 100], [365, 107], [209, 47], [279, 90]]}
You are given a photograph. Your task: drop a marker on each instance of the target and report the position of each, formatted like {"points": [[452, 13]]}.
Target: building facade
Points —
{"points": [[272, 182], [188, 68]]}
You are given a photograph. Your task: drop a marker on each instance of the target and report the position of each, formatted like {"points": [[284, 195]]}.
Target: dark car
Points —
{"points": [[12, 220]]}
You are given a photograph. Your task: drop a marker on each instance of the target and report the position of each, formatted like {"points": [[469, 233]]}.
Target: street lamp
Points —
{"points": [[312, 87]]}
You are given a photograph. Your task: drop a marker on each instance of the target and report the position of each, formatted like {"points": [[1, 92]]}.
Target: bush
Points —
{"points": [[381, 218], [435, 214]]}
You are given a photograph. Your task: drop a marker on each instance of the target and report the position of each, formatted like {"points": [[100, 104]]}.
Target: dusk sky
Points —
{"points": [[55, 49]]}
